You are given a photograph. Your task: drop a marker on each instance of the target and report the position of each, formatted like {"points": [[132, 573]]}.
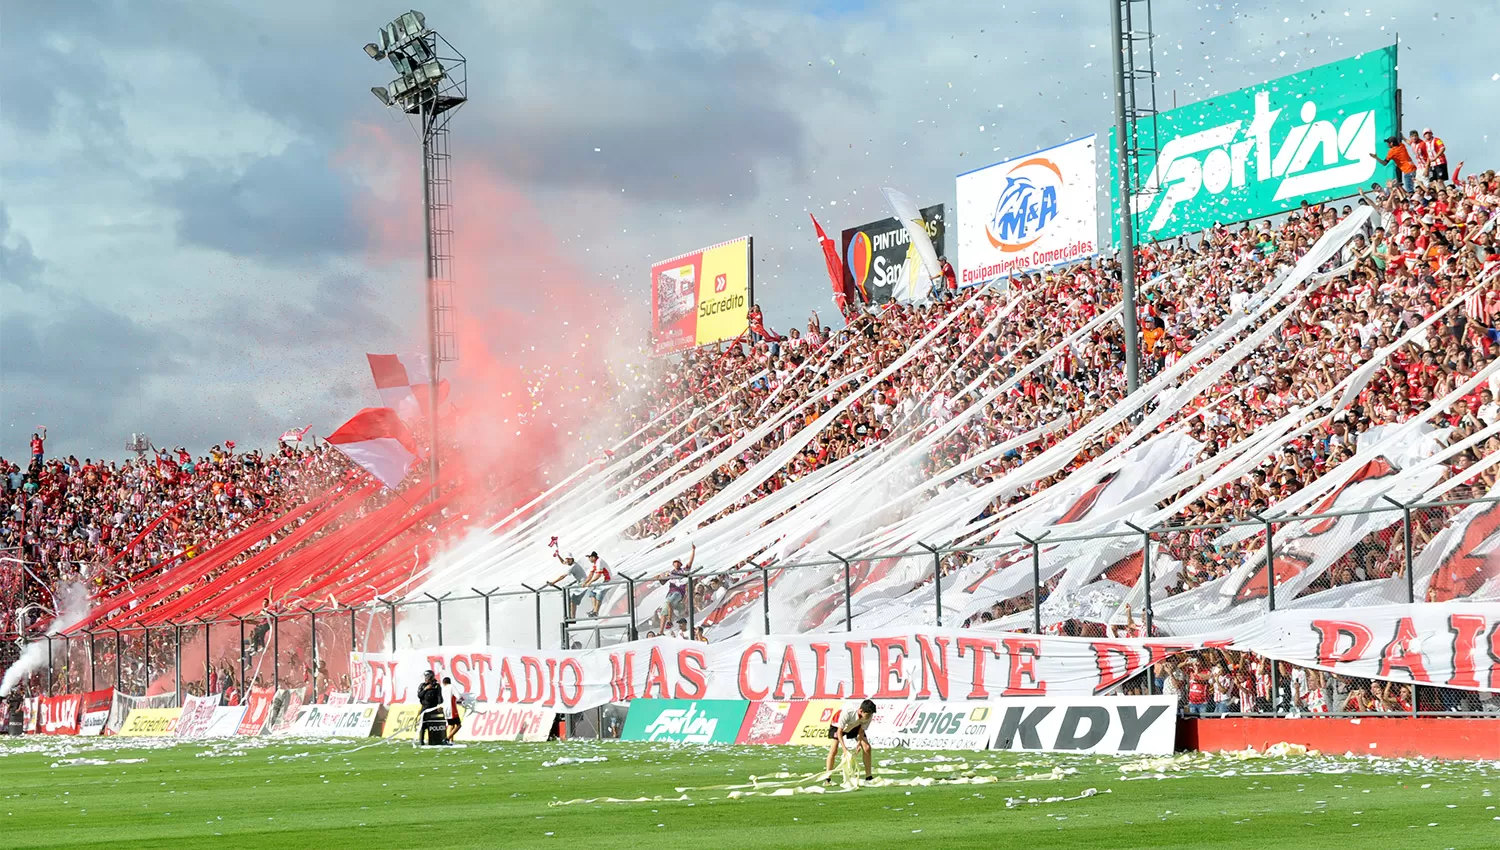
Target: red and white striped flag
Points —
{"points": [[295, 435], [393, 382], [1474, 307], [377, 440]]}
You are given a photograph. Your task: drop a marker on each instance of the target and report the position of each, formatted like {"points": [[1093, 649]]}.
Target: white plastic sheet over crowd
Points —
{"points": [[876, 501]]}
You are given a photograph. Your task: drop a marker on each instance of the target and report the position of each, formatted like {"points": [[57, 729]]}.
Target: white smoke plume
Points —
{"points": [[73, 597]]}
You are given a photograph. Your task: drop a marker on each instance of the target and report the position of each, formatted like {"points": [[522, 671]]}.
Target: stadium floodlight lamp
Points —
{"points": [[374, 51], [381, 94], [412, 24]]}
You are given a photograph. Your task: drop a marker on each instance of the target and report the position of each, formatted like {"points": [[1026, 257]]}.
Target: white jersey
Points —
{"points": [[852, 723]]}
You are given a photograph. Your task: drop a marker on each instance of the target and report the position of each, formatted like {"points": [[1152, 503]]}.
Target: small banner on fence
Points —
{"points": [[350, 720], [197, 715], [150, 723], [96, 706], [257, 711], [401, 721], [226, 721], [59, 715]]}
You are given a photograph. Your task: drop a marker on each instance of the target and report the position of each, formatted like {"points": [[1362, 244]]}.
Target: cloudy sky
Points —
{"points": [[197, 235]]}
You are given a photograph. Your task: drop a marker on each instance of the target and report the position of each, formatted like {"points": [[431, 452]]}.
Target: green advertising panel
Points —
{"points": [[683, 721], [1265, 149]]}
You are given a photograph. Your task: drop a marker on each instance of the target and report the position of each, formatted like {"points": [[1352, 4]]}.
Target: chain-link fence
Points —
{"points": [[1121, 584]]}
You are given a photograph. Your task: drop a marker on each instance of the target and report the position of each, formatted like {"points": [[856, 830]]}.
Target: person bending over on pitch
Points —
{"points": [[851, 728]]}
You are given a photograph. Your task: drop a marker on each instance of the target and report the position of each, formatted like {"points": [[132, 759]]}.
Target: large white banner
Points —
{"points": [[1028, 213], [1454, 645]]}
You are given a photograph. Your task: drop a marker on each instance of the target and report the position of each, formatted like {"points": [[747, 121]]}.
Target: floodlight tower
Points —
{"points": [[431, 84]]}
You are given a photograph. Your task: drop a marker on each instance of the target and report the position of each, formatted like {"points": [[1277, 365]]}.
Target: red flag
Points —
{"points": [[835, 269], [377, 440]]}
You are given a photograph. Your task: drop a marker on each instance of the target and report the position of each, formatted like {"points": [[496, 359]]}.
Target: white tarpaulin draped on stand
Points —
{"points": [[1455, 645]]}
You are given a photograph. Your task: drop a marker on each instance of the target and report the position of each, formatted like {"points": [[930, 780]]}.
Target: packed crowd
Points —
{"points": [[1425, 245], [1431, 237], [63, 519]]}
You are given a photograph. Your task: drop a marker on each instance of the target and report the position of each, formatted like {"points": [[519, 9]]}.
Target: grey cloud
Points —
{"points": [[19, 265], [79, 364], [284, 207], [340, 313]]}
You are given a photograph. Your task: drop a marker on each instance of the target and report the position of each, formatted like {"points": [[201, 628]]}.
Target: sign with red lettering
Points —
{"points": [[58, 715], [1455, 645], [502, 722]]}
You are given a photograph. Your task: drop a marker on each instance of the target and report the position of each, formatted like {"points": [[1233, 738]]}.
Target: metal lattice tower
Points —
{"points": [[440, 239], [1139, 71]]}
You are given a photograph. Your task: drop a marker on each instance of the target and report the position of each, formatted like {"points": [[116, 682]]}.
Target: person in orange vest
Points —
{"points": [[1398, 154]]}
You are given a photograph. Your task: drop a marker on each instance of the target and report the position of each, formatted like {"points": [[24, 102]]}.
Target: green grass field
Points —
{"points": [[370, 794]]}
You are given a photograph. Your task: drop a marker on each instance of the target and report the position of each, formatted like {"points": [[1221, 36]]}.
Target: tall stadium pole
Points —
{"points": [[1127, 212], [431, 84], [430, 289]]}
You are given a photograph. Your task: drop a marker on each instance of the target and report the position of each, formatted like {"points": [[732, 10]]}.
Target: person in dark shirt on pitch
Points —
{"points": [[431, 725]]}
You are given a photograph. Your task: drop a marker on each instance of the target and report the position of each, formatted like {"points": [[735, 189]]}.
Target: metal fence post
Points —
{"points": [[1270, 559], [1271, 605], [177, 659], [392, 608], [275, 652], [765, 597], [692, 602], [537, 592], [937, 581], [207, 661], [630, 605], [146, 651], [119, 653], [1036, 579], [353, 636], [93, 660], [1411, 579], [848, 593], [312, 618], [486, 597], [1146, 581], [244, 685], [438, 600], [49, 664]]}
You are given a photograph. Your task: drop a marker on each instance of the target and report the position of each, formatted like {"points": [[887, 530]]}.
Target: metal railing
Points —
{"points": [[309, 648]]}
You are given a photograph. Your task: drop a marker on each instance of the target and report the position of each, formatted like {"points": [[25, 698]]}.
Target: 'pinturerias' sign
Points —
{"points": [[1265, 149]]}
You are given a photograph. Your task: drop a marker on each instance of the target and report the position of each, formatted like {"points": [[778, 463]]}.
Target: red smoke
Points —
{"points": [[543, 343]]}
